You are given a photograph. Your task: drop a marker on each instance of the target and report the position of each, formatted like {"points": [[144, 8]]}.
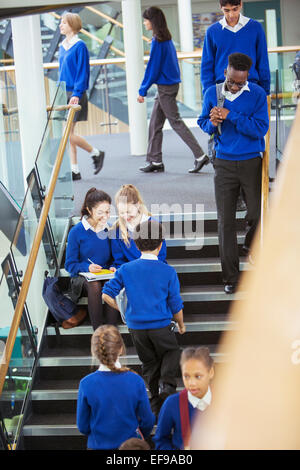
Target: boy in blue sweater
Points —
{"points": [[154, 300], [244, 123], [234, 33]]}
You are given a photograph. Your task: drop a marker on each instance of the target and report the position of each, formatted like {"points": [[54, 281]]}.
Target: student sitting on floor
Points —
{"points": [[112, 405], [173, 431], [153, 293]]}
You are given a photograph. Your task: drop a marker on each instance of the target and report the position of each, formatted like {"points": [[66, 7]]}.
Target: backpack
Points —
{"points": [[212, 139], [62, 308]]}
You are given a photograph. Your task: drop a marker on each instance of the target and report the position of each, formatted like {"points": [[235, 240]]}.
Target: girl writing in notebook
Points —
{"points": [[89, 250], [179, 411]]}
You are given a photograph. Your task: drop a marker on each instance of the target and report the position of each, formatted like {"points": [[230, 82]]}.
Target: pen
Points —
{"points": [[92, 262]]}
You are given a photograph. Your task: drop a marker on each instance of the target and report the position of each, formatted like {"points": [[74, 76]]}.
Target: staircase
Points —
{"points": [[65, 358]]}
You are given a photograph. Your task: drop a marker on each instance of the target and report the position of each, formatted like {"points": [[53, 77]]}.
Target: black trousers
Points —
{"points": [[159, 353], [100, 314], [230, 177]]}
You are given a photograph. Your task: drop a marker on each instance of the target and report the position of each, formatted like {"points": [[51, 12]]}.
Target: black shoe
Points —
{"points": [[230, 288], [98, 162], [76, 176], [151, 168], [198, 164]]}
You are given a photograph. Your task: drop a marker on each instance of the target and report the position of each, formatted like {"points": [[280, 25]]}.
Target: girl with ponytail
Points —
{"points": [[132, 211], [112, 405]]}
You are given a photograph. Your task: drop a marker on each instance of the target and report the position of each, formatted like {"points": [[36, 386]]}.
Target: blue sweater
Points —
{"points": [[244, 128], [153, 293], [220, 43], [74, 68], [110, 408], [84, 244], [168, 433], [162, 67], [122, 253]]}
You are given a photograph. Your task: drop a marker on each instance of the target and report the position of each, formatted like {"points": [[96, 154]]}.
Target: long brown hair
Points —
{"points": [[92, 198], [159, 24], [131, 195], [107, 345]]}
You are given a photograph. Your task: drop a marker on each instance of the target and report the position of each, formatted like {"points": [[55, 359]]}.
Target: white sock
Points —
{"points": [[155, 163], [75, 168], [95, 152]]}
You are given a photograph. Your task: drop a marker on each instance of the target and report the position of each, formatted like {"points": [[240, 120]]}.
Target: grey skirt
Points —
{"points": [[81, 115]]}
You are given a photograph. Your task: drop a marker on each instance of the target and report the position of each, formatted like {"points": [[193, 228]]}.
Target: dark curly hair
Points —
{"points": [[239, 61]]}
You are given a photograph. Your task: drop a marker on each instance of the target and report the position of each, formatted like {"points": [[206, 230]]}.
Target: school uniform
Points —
{"points": [[111, 407], [237, 166], [168, 435], [153, 294], [163, 70], [74, 70], [123, 253], [85, 244], [221, 40]]}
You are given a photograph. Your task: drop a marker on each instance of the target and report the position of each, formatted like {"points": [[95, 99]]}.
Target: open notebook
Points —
{"points": [[101, 275]]}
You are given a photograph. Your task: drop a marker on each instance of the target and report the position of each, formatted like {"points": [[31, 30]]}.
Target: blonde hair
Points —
{"points": [[107, 345], [131, 195], [74, 21]]}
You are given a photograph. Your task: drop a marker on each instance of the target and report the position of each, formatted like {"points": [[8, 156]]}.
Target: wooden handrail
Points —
{"points": [[92, 36], [256, 392], [6, 357], [122, 60], [112, 20], [265, 174]]}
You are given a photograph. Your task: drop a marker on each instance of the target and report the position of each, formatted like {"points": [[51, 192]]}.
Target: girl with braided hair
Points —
{"points": [[102, 415]]}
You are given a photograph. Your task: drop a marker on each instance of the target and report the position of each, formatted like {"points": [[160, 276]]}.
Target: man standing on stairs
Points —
{"points": [[234, 33], [244, 123], [74, 70]]}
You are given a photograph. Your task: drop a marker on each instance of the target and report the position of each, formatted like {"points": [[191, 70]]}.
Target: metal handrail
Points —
{"points": [[6, 357]]}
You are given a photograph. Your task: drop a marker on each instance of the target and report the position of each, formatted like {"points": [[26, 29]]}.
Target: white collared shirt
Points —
{"points": [[233, 96], [200, 403], [88, 226], [103, 368], [67, 44], [149, 256], [243, 20]]}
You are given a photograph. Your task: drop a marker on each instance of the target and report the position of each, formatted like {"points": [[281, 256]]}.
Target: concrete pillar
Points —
{"points": [[133, 43], [187, 45], [27, 43]]}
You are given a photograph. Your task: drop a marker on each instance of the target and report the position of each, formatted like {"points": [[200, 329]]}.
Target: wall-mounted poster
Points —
{"points": [[201, 21]]}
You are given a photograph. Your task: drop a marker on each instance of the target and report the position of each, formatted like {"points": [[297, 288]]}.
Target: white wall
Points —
{"points": [[289, 16]]}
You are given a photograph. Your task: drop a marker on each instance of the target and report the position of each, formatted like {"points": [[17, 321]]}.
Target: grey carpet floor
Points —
{"points": [[175, 187]]}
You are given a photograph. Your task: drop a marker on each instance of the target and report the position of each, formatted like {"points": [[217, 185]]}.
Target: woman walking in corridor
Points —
{"points": [[163, 70]]}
